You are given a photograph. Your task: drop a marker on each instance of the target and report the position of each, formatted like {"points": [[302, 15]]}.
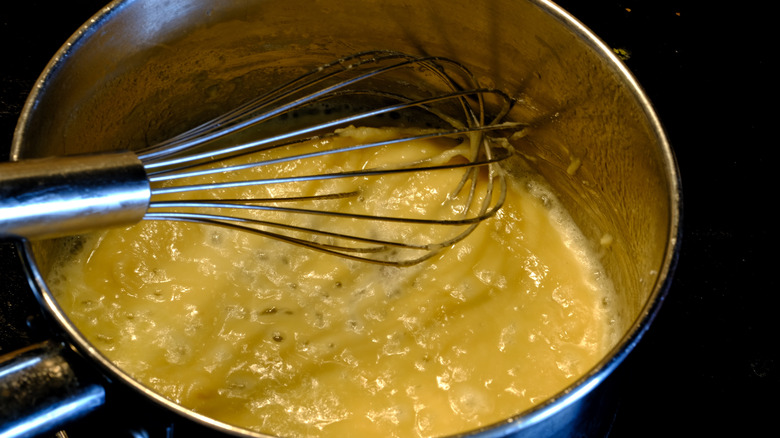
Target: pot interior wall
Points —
{"points": [[148, 70]]}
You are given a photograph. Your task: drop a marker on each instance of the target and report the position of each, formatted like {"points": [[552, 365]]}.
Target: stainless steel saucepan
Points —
{"points": [[143, 69]]}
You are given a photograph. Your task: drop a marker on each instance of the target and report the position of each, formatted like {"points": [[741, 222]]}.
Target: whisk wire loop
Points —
{"points": [[447, 94]]}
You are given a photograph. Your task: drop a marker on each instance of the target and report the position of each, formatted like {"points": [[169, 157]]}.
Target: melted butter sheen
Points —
{"points": [[296, 343]]}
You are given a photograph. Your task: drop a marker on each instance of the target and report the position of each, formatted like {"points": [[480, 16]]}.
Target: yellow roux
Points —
{"points": [[293, 342]]}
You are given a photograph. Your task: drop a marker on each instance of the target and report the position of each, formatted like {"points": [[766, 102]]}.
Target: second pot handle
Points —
{"points": [[40, 391]]}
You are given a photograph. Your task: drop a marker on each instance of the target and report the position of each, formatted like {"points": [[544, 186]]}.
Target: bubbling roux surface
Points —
{"points": [[292, 342]]}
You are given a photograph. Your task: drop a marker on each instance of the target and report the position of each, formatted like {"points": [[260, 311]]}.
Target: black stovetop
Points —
{"points": [[708, 365]]}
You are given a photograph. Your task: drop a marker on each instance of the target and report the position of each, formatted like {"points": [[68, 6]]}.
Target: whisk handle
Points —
{"points": [[59, 196]]}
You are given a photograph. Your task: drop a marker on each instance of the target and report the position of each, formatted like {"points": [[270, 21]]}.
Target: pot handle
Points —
{"points": [[40, 391]]}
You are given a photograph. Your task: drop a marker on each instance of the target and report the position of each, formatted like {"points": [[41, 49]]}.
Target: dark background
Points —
{"points": [[708, 365]]}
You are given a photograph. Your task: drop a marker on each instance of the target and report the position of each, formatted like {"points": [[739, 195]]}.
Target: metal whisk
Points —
{"points": [[193, 177]]}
